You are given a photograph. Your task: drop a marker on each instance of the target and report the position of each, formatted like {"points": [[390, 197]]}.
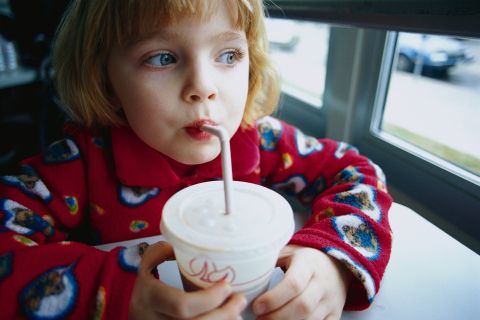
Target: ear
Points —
{"points": [[112, 97], [115, 102]]}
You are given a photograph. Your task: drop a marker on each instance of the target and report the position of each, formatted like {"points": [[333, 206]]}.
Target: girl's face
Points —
{"points": [[171, 82]]}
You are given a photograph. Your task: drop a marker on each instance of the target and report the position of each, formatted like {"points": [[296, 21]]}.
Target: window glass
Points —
{"points": [[433, 100], [299, 51]]}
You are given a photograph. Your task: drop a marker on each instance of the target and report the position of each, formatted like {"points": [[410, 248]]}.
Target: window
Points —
{"points": [[299, 50], [433, 100], [361, 94]]}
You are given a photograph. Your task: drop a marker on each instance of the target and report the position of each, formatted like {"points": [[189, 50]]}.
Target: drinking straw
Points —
{"points": [[222, 134]]}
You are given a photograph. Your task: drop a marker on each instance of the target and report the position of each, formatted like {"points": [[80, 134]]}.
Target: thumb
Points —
{"points": [[285, 256], [155, 254]]}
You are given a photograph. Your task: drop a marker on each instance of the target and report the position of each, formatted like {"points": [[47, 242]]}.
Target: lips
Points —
{"points": [[194, 131]]}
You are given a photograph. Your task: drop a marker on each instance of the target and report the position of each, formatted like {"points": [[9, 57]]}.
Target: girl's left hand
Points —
{"points": [[314, 287]]}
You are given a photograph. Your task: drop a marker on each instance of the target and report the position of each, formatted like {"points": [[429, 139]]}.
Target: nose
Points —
{"points": [[199, 84]]}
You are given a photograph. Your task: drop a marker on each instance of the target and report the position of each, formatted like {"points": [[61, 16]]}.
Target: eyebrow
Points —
{"points": [[229, 36], [171, 34]]}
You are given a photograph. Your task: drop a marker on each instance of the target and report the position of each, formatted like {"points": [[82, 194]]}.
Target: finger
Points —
{"points": [[301, 307], [172, 301], [178, 303], [332, 316], [294, 282], [155, 254], [321, 313], [284, 257], [230, 310]]}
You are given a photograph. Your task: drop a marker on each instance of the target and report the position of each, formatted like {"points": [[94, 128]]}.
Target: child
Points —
{"points": [[139, 78]]}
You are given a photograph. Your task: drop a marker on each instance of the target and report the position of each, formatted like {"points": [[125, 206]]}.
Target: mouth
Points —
{"points": [[194, 131]]}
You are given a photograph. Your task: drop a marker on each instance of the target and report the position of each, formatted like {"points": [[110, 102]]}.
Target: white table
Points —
{"points": [[430, 275]]}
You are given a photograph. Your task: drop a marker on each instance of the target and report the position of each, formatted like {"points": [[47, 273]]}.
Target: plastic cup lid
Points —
{"points": [[195, 216]]}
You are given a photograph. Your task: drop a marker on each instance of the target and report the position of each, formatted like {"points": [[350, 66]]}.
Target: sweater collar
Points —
{"points": [[137, 164]]}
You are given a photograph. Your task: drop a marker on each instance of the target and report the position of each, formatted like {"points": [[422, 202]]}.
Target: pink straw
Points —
{"points": [[222, 134]]}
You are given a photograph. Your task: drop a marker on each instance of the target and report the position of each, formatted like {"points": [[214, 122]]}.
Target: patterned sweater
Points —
{"points": [[87, 190]]}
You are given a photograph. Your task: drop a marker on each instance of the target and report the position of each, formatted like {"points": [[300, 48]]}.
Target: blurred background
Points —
{"points": [[29, 114]]}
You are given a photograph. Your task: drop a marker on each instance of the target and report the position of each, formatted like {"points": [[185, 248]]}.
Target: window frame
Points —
{"points": [[352, 111]]}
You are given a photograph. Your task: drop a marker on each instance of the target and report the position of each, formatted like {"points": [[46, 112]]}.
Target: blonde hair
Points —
{"points": [[90, 28]]}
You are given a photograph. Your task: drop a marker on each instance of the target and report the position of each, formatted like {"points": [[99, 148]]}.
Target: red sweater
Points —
{"points": [[88, 190]]}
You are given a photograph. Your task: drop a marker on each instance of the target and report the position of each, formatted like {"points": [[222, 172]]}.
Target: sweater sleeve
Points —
{"points": [[347, 195], [44, 272]]}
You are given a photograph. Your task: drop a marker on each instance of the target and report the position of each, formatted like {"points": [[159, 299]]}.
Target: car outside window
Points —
{"points": [[433, 98]]}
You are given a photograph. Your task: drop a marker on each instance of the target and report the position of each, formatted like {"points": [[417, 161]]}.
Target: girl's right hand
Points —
{"points": [[153, 299]]}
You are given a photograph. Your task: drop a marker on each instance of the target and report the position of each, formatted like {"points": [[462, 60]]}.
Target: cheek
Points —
{"points": [[138, 99], [238, 86], [244, 89], [131, 87]]}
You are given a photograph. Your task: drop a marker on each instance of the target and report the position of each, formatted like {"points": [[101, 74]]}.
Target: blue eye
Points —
{"points": [[161, 59], [230, 57]]}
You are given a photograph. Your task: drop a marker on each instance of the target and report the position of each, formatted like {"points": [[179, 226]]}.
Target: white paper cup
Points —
{"points": [[241, 247]]}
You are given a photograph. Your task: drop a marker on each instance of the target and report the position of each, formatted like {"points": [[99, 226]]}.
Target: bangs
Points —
{"points": [[131, 20]]}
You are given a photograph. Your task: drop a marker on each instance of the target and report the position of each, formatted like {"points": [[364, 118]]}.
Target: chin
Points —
{"points": [[196, 160], [198, 157]]}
